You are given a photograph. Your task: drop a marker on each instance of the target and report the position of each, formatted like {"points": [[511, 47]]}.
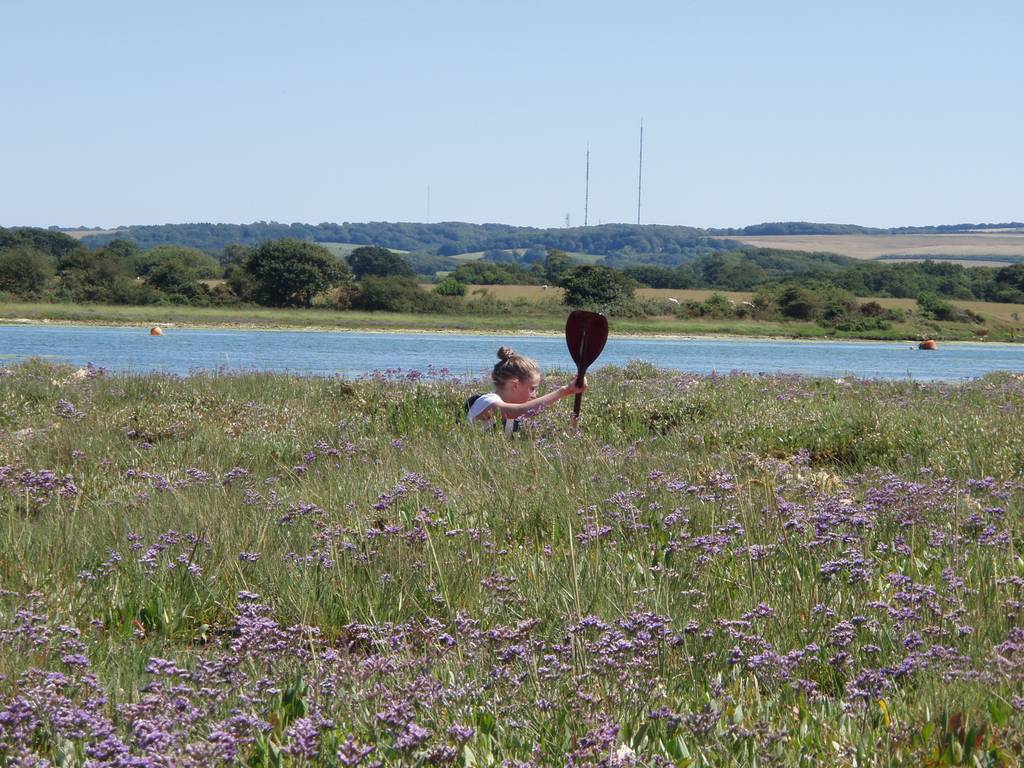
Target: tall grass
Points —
{"points": [[715, 570]]}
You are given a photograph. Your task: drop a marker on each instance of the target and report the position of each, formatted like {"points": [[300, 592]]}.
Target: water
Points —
{"points": [[182, 351]]}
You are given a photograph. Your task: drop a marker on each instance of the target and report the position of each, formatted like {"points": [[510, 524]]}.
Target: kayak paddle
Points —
{"points": [[586, 334]]}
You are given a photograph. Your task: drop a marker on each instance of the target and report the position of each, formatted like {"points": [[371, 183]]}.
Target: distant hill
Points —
{"points": [[624, 242], [810, 228], [617, 245]]}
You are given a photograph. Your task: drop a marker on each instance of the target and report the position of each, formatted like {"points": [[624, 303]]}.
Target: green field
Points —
{"points": [[268, 570], [582, 258], [477, 255], [540, 292], [990, 245], [515, 309], [341, 250]]}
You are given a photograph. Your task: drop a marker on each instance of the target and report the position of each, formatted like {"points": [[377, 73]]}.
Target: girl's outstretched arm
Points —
{"points": [[514, 410]]}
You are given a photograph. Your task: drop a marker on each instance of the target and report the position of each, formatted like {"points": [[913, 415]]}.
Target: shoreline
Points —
{"points": [[436, 331]]}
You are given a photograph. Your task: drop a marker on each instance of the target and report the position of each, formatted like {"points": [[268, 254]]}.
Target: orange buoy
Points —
{"points": [[928, 344], [156, 331]]}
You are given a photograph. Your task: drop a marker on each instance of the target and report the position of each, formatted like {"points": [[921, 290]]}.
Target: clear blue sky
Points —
{"points": [[876, 113]]}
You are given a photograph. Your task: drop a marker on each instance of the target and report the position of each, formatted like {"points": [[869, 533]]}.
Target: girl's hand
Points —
{"points": [[572, 389]]}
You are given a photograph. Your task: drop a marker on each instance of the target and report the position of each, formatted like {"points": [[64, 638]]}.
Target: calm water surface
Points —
{"points": [[133, 350]]}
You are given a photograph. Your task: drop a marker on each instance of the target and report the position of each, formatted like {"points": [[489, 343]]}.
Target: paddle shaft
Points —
{"points": [[580, 372], [579, 395]]}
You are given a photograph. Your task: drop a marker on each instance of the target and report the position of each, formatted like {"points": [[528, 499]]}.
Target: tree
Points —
{"points": [[556, 265], [491, 273], [1011, 277], [451, 287], [595, 285], [289, 273], [428, 264], [173, 269], [234, 255], [126, 250], [373, 261], [730, 272], [24, 271], [930, 305], [450, 249], [51, 243], [174, 276], [797, 303], [238, 280], [535, 255], [500, 256], [201, 264], [661, 277], [394, 294], [102, 276]]}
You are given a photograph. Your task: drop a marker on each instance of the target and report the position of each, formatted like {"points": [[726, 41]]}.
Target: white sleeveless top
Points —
{"points": [[483, 403]]}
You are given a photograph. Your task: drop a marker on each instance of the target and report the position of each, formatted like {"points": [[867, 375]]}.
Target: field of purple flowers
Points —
{"points": [[268, 570]]}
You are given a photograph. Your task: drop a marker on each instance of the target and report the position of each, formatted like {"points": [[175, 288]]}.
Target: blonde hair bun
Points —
{"points": [[512, 366]]}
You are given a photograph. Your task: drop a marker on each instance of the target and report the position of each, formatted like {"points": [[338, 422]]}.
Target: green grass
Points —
{"points": [[583, 258], [425, 562], [262, 317], [541, 315], [344, 249]]}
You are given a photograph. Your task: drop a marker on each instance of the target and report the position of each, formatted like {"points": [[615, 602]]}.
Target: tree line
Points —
{"points": [[753, 269], [440, 239], [667, 244], [41, 264], [44, 265]]}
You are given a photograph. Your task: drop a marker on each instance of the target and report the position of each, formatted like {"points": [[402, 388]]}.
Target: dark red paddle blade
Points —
{"points": [[585, 334]]}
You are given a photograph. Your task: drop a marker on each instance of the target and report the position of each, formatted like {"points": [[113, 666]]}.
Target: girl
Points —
{"points": [[516, 379]]}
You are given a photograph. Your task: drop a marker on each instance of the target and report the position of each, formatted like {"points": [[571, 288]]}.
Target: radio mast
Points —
{"points": [[586, 194], [640, 173]]}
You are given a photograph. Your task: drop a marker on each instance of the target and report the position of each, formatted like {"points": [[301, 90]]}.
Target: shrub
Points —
{"points": [[797, 303], [395, 294], [451, 287], [182, 259], [174, 276], [24, 271], [930, 305], [719, 306]]}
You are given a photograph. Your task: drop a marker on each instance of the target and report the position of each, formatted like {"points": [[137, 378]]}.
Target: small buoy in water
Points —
{"points": [[156, 331], [928, 344]]}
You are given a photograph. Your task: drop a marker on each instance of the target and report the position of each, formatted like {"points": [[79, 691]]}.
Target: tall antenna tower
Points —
{"points": [[428, 203], [640, 173], [586, 194]]}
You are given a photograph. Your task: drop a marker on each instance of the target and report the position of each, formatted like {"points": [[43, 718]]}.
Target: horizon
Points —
{"points": [[81, 228], [885, 116]]}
